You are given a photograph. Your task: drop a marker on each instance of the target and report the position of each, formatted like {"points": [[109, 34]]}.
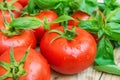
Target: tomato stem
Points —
{"points": [[46, 24], [68, 34], [5, 3], [14, 68], [5, 21]]}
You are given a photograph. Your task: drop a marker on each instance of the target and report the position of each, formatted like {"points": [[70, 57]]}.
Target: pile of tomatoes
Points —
{"points": [[65, 51]]}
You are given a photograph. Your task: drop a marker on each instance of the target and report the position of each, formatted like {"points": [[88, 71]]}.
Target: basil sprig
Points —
{"points": [[108, 31]]}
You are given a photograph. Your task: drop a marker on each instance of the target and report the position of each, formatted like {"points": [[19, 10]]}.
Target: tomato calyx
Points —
{"points": [[46, 24], [11, 32], [14, 68], [68, 34], [8, 5]]}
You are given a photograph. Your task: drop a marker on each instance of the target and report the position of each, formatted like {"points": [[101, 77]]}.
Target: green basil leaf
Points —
{"points": [[26, 23], [48, 4], [116, 44], [104, 53], [112, 30], [89, 25], [114, 16], [62, 19], [101, 6], [112, 69], [31, 6], [100, 33], [110, 5], [88, 6]]}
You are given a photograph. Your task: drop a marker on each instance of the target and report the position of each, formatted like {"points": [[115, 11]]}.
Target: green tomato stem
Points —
{"points": [[14, 69], [5, 21]]}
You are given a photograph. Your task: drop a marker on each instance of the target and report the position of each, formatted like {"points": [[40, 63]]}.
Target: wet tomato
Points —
{"points": [[50, 16], [23, 2], [35, 65], [78, 15], [69, 56], [6, 14], [26, 38]]}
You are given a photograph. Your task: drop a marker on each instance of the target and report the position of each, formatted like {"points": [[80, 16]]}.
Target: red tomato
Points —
{"points": [[50, 16], [27, 38], [78, 15], [7, 17], [23, 2], [69, 57], [18, 6], [7, 14], [36, 66]]}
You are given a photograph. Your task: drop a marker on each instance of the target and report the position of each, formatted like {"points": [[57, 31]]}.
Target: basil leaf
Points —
{"points": [[110, 5], [26, 23], [113, 69], [114, 16], [100, 33], [48, 4], [62, 18], [88, 6], [104, 53], [112, 30], [31, 6], [90, 25], [116, 44], [101, 6]]}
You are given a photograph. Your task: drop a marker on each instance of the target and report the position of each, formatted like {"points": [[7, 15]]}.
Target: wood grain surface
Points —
{"points": [[90, 73]]}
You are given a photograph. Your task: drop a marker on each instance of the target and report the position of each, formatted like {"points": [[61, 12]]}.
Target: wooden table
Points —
{"points": [[90, 73]]}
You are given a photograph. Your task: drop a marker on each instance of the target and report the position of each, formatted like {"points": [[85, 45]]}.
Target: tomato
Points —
{"points": [[7, 14], [78, 15], [23, 2], [35, 65], [7, 17], [26, 38], [18, 6], [69, 56], [50, 16]]}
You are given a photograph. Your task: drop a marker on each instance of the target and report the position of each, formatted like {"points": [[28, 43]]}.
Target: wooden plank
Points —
{"points": [[109, 77], [88, 74], [117, 56]]}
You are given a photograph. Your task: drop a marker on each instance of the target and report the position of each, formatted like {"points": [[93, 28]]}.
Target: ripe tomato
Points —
{"points": [[69, 56], [18, 6], [36, 66], [7, 17], [78, 15], [7, 14], [50, 16], [26, 38], [23, 2]]}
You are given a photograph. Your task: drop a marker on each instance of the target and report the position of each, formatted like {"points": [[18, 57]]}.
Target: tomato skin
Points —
{"points": [[77, 15], [69, 57], [7, 14], [23, 2], [35, 65], [50, 16], [27, 38], [18, 6]]}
